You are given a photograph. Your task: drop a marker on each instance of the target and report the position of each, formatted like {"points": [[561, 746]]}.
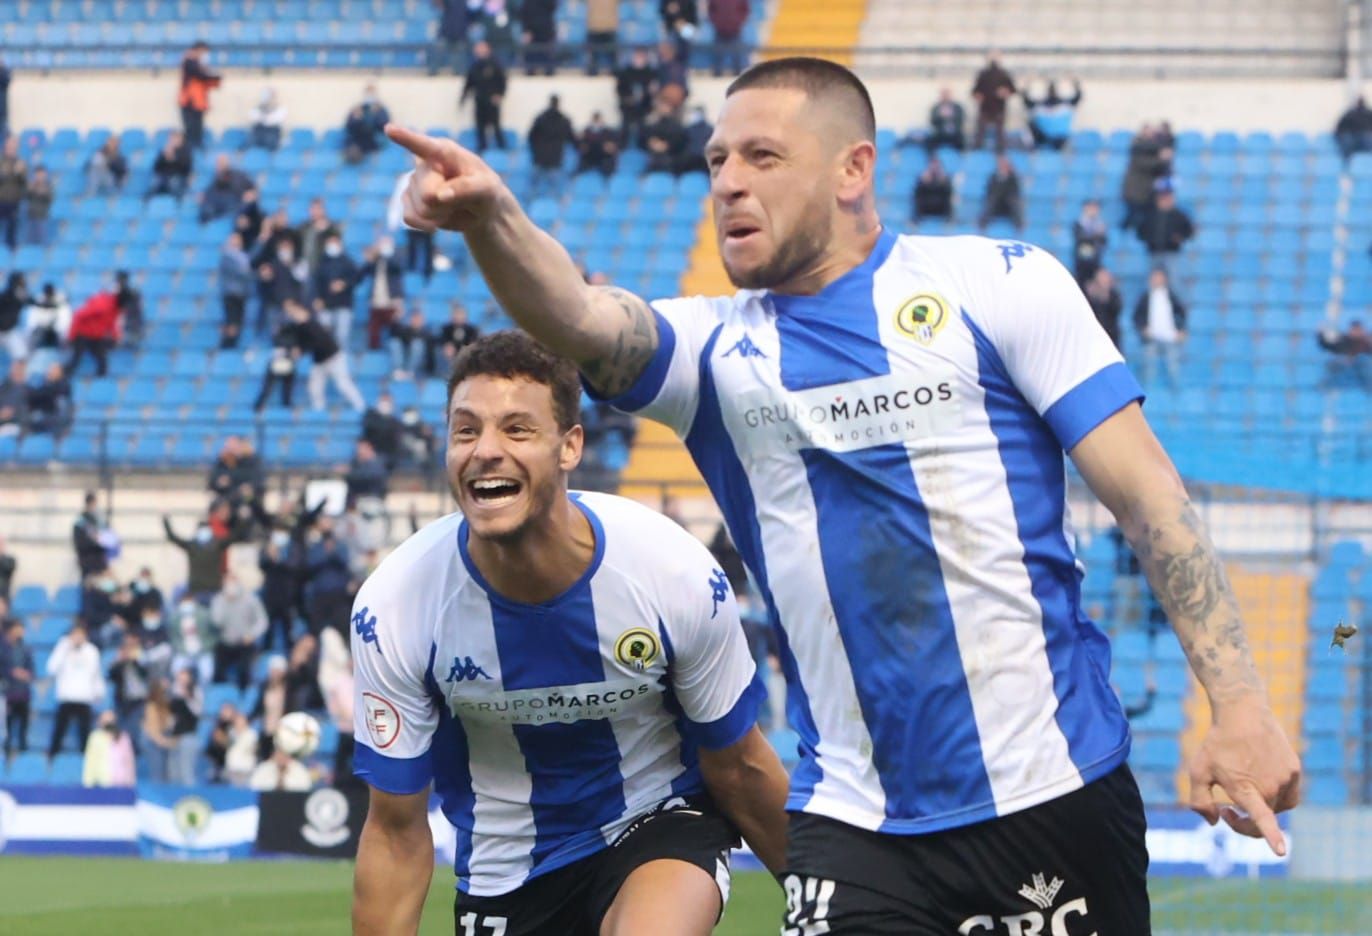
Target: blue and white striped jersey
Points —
{"points": [[889, 457], [546, 729]]}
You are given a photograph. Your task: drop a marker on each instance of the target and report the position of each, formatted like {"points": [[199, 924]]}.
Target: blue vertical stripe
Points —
{"points": [[713, 452], [689, 780], [1089, 713], [892, 611], [452, 773]]}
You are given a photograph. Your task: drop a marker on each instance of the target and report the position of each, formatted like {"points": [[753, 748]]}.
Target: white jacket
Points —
{"points": [[77, 672]]}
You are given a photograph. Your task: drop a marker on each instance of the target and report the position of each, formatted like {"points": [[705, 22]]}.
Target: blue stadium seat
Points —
{"points": [[66, 600], [29, 600]]}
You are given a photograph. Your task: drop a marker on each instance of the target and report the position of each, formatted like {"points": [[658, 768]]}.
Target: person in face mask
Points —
{"points": [[204, 560], [387, 298], [129, 676], [281, 277], [109, 760], [335, 281], [364, 130], [241, 620]]}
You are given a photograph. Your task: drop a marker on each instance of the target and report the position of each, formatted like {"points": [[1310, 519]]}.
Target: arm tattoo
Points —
{"points": [[1189, 581], [613, 370]]}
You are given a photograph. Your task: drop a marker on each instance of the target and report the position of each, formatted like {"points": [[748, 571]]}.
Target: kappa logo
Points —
{"points": [[1012, 251], [464, 668], [1041, 892], [364, 623], [745, 348], [719, 590]]}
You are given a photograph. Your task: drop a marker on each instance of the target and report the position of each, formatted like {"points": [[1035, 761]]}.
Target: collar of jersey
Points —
{"points": [[596, 529], [886, 242]]}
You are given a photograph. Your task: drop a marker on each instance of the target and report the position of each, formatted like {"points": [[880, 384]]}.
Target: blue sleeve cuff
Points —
{"points": [[650, 382], [398, 775], [734, 724], [1091, 403]]}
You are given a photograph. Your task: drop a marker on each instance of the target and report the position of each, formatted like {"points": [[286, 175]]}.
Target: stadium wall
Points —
{"points": [[320, 100]]}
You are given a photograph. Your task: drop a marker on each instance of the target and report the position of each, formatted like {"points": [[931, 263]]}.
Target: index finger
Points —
{"points": [[422, 145], [1262, 819]]}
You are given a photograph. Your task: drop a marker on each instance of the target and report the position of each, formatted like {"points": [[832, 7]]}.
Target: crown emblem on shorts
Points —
{"points": [[1042, 894]]}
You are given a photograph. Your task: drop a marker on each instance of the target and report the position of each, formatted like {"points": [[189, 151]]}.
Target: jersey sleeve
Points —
{"points": [[713, 674], [394, 716], [1034, 320], [668, 390]]}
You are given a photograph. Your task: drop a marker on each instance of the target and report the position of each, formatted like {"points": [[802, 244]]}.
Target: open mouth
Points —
{"points": [[739, 232], [494, 492]]}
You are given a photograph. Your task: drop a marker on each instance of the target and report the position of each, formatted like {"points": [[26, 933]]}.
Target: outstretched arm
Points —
{"points": [[1246, 752], [610, 333]]}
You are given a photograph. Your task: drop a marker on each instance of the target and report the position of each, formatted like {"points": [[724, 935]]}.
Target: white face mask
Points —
{"points": [[204, 535], [281, 539], [285, 256], [333, 250], [386, 250]]}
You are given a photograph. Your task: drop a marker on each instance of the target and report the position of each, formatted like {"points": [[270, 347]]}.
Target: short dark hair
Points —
{"points": [[513, 353], [817, 78]]}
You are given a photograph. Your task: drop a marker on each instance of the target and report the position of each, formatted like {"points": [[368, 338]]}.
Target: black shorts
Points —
{"points": [[572, 900], [1073, 866]]}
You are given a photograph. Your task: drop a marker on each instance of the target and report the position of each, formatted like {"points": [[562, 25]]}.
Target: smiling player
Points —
{"points": [[569, 673]]}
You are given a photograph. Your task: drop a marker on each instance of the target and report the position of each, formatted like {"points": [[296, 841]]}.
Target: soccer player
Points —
{"points": [[882, 420], [570, 674]]}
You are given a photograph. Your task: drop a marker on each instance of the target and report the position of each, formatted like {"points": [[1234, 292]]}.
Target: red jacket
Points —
{"points": [[97, 319]]}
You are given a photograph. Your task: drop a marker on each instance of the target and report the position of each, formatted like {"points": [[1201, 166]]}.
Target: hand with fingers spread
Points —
{"points": [[1248, 756], [451, 188]]}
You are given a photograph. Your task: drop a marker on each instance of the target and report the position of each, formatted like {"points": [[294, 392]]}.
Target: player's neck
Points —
{"points": [[543, 562], [838, 262]]}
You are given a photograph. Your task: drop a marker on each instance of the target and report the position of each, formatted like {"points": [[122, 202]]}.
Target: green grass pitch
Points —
{"points": [[113, 897]]}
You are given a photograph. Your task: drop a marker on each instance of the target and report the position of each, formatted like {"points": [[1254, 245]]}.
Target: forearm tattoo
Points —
{"points": [[614, 371], [1188, 578]]}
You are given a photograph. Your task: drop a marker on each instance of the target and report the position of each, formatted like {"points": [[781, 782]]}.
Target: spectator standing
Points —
{"points": [[549, 137], [38, 198], [410, 347], [248, 221], [673, 77], [1160, 318], [314, 234], [680, 21], [282, 563], [485, 84], [192, 640], [1003, 198], [538, 19], [268, 118], [13, 300], [1353, 132], [51, 408], [933, 195], [302, 674], [171, 170], [1165, 229], [1352, 352], [328, 598], [197, 81], [109, 755], [47, 322], [457, 333], [107, 168], [14, 185], [235, 285], [7, 566], [635, 87], [947, 123], [602, 35], [130, 302], [204, 559], [1089, 237], [281, 368], [130, 679], [386, 301], [992, 91], [728, 17], [78, 685], [282, 274], [598, 147], [330, 362], [156, 731], [87, 534], [1050, 116], [1150, 158], [365, 130], [454, 28], [335, 281], [17, 672], [240, 620], [664, 138], [96, 328], [1105, 301], [389, 436], [187, 704], [367, 475], [224, 195]]}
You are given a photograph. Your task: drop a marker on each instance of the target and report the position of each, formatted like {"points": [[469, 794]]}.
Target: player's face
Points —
{"points": [[772, 186], [507, 459]]}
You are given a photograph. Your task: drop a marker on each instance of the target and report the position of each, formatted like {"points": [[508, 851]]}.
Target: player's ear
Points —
{"points": [[573, 444], [857, 170]]}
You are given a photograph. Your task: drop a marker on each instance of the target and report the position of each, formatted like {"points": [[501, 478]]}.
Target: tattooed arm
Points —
{"points": [[611, 334], [1246, 753]]}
